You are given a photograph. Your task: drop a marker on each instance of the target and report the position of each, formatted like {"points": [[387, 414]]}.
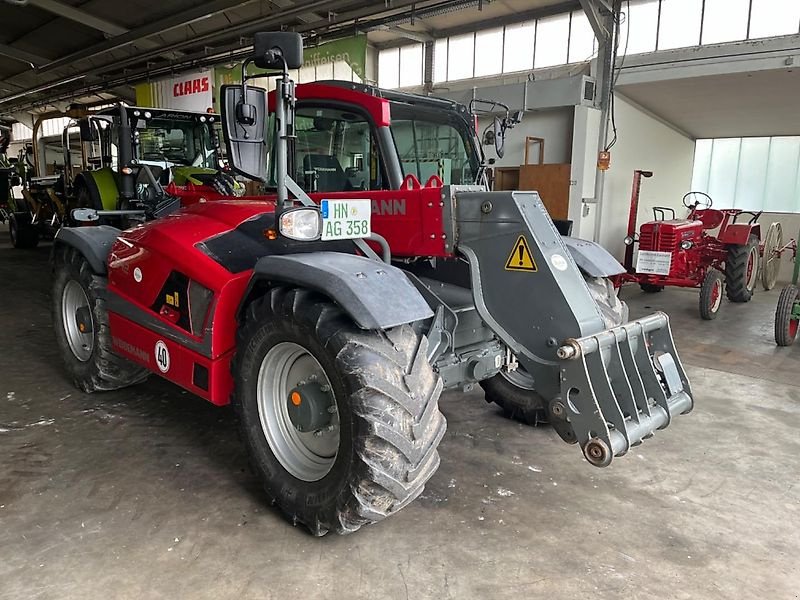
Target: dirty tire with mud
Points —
{"points": [[386, 394]]}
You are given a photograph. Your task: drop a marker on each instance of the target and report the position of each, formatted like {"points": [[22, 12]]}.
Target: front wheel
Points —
{"points": [[514, 391], [711, 295], [786, 322], [741, 271], [341, 425], [649, 288]]}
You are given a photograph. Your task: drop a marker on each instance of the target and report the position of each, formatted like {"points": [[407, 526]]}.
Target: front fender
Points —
{"points": [[374, 294], [94, 243], [592, 258]]}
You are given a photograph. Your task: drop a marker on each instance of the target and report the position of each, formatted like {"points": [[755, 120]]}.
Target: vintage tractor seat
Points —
{"points": [[711, 217]]}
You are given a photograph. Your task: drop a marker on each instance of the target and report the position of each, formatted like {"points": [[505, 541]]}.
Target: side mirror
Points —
{"points": [[244, 121], [270, 46], [88, 133], [499, 129]]}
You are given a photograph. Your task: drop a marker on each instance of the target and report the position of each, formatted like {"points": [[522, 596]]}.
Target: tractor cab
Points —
{"points": [[144, 156], [356, 137]]}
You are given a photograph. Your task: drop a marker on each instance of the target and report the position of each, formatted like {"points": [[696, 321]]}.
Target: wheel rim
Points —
{"points": [[72, 300], [716, 296], [752, 270], [308, 456], [793, 328], [520, 378]]}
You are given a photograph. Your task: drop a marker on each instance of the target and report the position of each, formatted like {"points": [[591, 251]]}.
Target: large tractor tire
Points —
{"points": [[785, 325], [741, 271], [341, 425], [514, 391], [80, 321], [23, 234]]}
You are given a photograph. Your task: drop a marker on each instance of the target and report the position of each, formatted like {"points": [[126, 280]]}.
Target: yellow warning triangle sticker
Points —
{"points": [[521, 258]]}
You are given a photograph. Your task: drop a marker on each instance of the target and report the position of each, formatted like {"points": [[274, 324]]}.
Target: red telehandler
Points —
{"points": [[335, 355]]}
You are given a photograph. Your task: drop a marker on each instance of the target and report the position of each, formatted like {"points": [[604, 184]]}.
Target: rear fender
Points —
{"points": [[375, 295], [739, 233], [592, 258], [94, 243], [102, 186]]}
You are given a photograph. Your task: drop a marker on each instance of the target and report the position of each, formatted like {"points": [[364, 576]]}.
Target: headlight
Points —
{"points": [[303, 224], [628, 240], [147, 114], [686, 244]]}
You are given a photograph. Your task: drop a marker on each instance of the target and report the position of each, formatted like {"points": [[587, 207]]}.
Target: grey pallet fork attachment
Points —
{"points": [[610, 389]]}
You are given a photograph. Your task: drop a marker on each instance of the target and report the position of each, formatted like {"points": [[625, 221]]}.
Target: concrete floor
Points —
{"points": [[144, 493]]}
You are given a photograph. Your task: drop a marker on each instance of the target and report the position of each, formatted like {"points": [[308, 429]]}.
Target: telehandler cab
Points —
{"points": [[335, 355]]}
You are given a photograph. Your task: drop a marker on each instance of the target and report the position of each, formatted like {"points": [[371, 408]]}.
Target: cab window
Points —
{"points": [[433, 143], [335, 151]]}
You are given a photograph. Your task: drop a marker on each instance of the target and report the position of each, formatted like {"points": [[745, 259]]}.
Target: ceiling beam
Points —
{"points": [[596, 20], [79, 16], [202, 11], [32, 59], [417, 36], [501, 21]]}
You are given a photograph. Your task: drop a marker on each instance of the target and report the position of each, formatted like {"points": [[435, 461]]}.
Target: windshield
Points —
{"points": [[431, 142], [176, 142]]}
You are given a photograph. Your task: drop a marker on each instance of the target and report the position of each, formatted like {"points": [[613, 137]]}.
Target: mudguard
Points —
{"points": [[93, 242], [374, 294], [102, 186], [592, 258]]}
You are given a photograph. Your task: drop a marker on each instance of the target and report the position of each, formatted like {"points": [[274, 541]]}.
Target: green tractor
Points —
{"points": [[119, 161]]}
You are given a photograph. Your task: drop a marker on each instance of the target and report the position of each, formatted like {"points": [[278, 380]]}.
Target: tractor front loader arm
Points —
{"points": [[608, 389]]}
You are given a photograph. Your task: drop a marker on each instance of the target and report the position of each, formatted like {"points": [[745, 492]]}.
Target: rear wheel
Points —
{"points": [[81, 326], [514, 391], [786, 324], [23, 234], [741, 271], [342, 425], [711, 295]]}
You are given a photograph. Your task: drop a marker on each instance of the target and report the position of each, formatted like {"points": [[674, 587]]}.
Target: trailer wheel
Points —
{"points": [[785, 324], [23, 234], [741, 271], [515, 391], [341, 425], [81, 326], [711, 295]]}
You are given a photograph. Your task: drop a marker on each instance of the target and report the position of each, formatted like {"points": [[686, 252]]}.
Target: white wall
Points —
{"points": [[554, 125], [643, 143]]}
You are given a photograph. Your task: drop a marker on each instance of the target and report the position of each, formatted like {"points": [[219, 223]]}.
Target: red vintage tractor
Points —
{"points": [[334, 356], [685, 252]]}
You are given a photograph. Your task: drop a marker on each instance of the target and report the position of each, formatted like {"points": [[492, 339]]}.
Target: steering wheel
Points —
{"points": [[697, 200]]}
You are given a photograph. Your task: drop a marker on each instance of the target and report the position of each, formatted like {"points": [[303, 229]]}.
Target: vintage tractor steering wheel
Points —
{"points": [[702, 201]]}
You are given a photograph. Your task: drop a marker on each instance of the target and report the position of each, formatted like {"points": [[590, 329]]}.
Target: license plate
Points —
{"points": [[653, 263], [346, 219]]}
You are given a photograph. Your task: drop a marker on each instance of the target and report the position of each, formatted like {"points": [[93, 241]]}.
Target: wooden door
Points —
{"points": [[552, 183]]}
